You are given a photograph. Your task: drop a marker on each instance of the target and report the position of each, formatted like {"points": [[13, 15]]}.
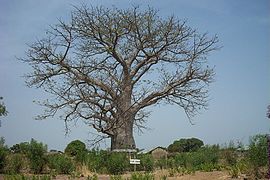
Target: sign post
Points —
{"points": [[135, 162]]}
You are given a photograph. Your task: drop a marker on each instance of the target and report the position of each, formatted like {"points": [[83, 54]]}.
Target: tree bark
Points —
{"points": [[123, 136]]}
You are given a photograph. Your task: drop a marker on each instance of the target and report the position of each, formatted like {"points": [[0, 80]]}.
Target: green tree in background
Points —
{"points": [[36, 155], [185, 145], [78, 150], [75, 147], [23, 148]]}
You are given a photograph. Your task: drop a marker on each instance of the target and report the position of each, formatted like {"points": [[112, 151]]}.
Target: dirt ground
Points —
{"points": [[216, 175]]}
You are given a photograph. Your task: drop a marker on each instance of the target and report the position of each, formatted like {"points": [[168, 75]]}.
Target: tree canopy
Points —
{"points": [[75, 147], [185, 145], [106, 66]]}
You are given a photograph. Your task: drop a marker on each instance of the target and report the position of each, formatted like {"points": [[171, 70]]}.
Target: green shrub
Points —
{"points": [[234, 171], [179, 160], [161, 163], [97, 161], [180, 171], [257, 153], [142, 176], [171, 162], [15, 163], [105, 162], [163, 177], [147, 162], [15, 177], [81, 157], [258, 150], [75, 147], [172, 172], [94, 177], [205, 159], [243, 165], [117, 163], [24, 177], [20, 148], [3, 154], [36, 156], [75, 175], [206, 155], [61, 163], [229, 156], [3, 157], [208, 167]]}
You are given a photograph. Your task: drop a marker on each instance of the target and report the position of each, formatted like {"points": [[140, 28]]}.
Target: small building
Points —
{"points": [[53, 151], [159, 153]]}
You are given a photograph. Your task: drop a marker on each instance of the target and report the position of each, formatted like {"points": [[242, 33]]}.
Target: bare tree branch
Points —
{"points": [[106, 66]]}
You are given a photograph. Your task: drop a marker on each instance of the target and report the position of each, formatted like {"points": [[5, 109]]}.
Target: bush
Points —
{"points": [[234, 171], [3, 154], [161, 163], [36, 156], [179, 160], [20, 148], [97, 160], [141, 176], [117, 163], [208, 167], [258, 150], [26, 177], [257, 153], [15, 163], [116, 177], [94, 177], [147, 162], [60, 163], [74, 148], [205, 158], [207, 154], [230, 156], [78, 150]]}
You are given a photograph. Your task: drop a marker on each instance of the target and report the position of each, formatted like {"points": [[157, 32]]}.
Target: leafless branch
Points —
{"points": [[107, 65]]}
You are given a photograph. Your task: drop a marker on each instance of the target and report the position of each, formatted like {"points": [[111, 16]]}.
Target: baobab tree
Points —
{"points": [[106, 66]]}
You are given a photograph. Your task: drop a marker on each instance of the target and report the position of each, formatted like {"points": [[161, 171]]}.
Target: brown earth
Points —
{"points": [[215, 175]]}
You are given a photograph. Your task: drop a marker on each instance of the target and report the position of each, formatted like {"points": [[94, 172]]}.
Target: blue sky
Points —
{"points": [[239, 96]]}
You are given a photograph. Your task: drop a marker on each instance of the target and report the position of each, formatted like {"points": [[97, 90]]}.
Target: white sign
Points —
{"points": [[135, 161]]}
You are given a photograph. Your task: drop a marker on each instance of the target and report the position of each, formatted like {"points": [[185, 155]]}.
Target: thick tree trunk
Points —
{"points": [[123, 136]]}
